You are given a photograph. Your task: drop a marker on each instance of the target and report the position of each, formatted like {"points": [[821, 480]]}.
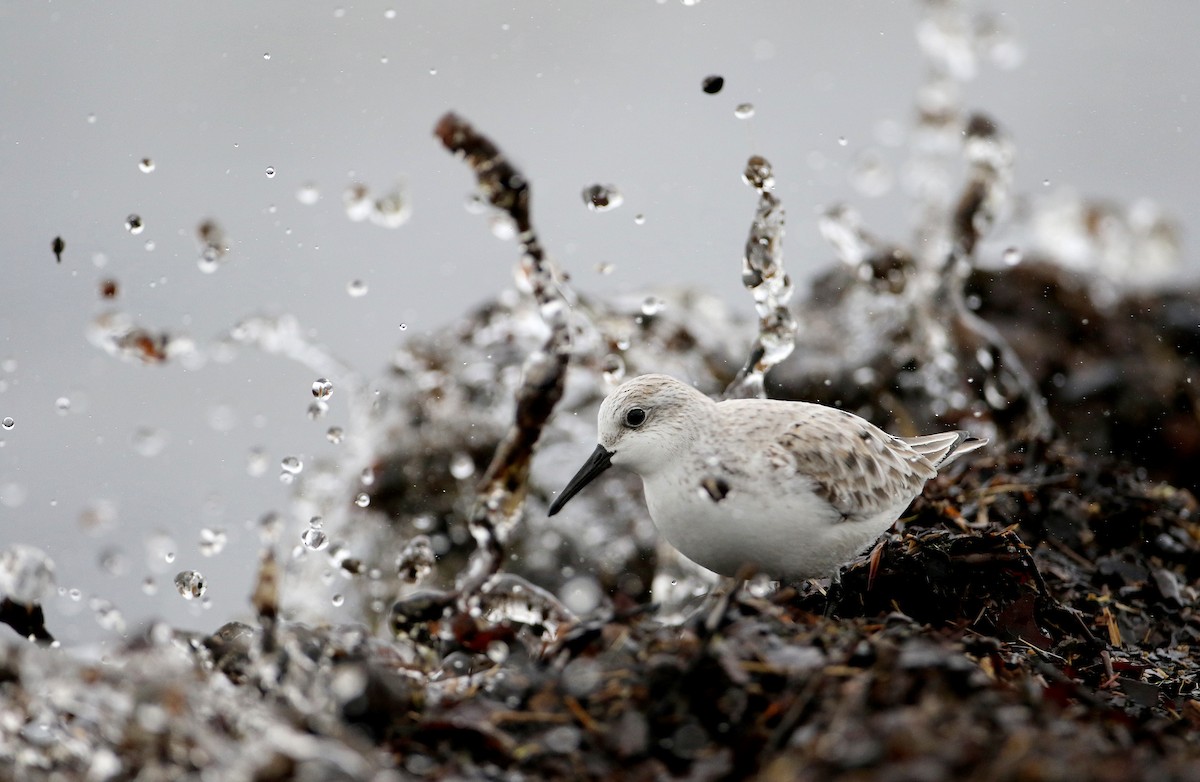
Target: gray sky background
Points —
{"points": [[1106, 101]]}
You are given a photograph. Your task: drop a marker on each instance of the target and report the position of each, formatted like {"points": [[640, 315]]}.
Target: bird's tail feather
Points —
{"points": [[943, 448]]}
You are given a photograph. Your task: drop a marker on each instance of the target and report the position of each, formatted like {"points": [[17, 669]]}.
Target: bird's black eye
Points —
{"points": [[635, 417]]}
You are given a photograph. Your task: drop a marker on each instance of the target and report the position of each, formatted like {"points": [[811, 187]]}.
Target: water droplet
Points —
{"points": [[367, 476], [8, 423], [146, 165], [314, 538], [1012, 256], [291, 464], [744, 110], [841, 225], [148, 441], [404, 327], [322, 388], [257, 462], [26, 574], [12, 494], [335, 434], [113, 561], [107, 615], [213, 246], [317, 410], [871, 174], [91, 118], [99, 517], [190, 584], [357, 200], [134, 224], [612, 367], [337, 600], [415, 562], [581, 594], [639, 219], [602, 198], [160, 550], [389, 13], [652, 305], [497, 651], [433, 71], [308, 194], [1045, 183], [222, 418], [362, 500], [759, 174], [286, 478], [270, 172], [356, 288], [581, 676], [462, 466], [62, 405], [712, 84], [605, 268], [502, 226], [475, 203], [212, 541], [149, 586], [391, 210], [266, 55], [842, 141]]}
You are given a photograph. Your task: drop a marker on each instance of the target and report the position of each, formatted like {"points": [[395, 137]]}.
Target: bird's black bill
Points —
{"points": [[598, 462]]}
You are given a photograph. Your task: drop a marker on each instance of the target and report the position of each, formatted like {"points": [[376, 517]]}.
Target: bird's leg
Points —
{"points": [[706, 617], [717, 607], [833, 597], [711, 613]]}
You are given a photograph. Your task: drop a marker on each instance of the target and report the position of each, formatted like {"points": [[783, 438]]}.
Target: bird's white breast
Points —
{"points": [[783, 529]]}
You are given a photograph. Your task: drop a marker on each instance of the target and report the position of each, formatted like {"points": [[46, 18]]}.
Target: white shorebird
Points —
{"points": [[792, 489]]}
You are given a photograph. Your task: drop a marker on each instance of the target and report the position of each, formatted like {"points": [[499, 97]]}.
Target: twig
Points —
{"points": [[502, 489]]}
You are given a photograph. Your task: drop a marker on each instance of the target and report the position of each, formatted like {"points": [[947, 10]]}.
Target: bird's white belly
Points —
{"points": [[789, 537]]}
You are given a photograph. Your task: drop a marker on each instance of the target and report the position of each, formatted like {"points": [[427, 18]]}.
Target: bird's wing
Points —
{"points": [[859, 469]]}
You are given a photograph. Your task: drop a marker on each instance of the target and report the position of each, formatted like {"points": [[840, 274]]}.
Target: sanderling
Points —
{"points": [[791, 489]]}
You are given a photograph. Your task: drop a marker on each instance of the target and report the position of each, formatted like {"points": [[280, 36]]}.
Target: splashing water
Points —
{"points": [[451, 401], [415, 563], [768, 283]]}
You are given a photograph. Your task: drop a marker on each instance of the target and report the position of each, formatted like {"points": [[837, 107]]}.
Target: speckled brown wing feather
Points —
{"points": [[859, 469]]}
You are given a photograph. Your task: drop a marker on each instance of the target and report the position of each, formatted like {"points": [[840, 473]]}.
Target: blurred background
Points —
{"points": [[260, 116]]}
